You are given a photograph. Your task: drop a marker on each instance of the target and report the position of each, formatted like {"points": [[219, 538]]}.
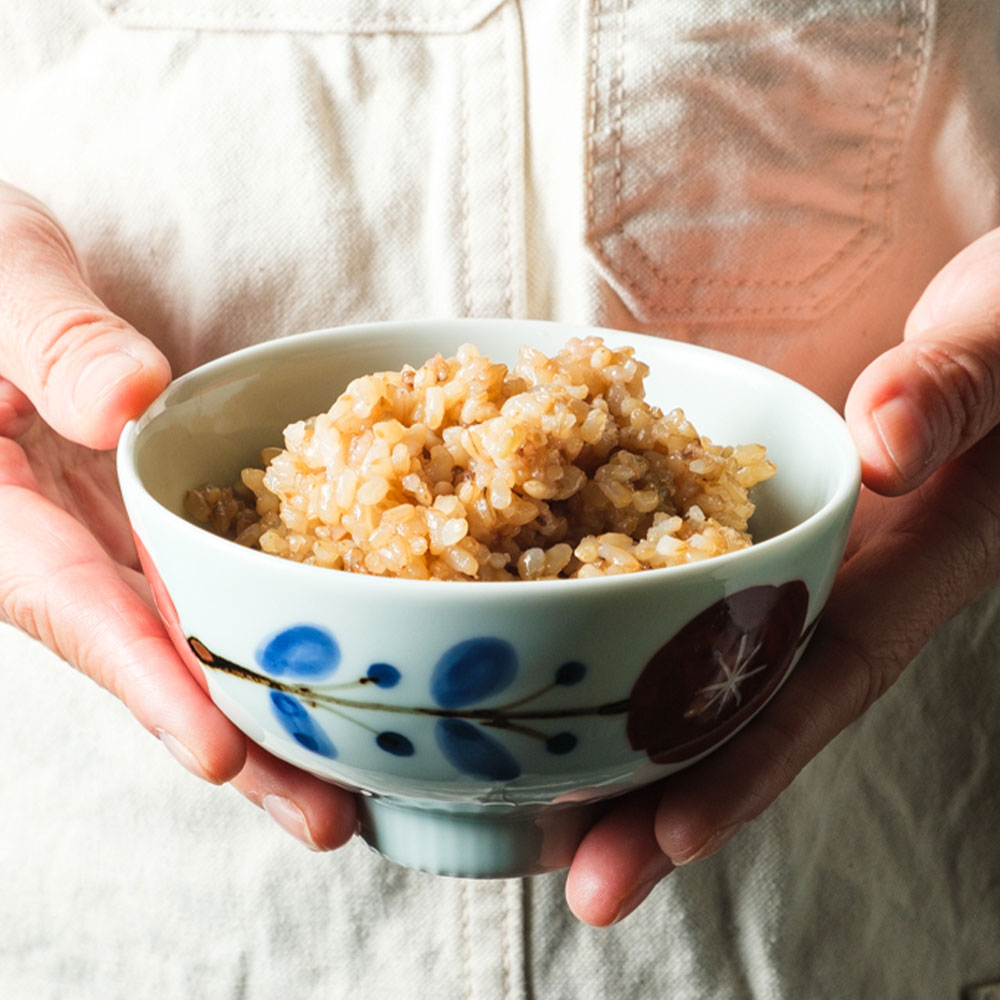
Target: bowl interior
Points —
{"points": [[214, 421]]}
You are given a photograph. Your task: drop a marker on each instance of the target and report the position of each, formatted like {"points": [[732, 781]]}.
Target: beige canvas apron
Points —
{"points": [[751, 173]]}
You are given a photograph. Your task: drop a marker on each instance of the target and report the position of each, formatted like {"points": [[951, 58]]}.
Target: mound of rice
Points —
{"points": [[464, 469]]}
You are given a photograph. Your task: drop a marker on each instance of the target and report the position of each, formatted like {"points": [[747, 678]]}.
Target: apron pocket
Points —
{"points": [[745, 161]]}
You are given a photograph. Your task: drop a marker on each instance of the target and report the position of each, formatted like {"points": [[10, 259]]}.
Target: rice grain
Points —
{"points": [[463, 469]]}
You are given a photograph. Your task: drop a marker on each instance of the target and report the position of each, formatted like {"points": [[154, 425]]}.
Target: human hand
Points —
{"points": [[924, 544], [71, 375]]}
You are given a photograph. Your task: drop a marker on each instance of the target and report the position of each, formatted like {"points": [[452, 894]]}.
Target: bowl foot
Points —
{"points": [[482, 842]]}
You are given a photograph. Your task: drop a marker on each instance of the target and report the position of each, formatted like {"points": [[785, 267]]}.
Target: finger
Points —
{"points": [[618, 863], [58, 584], [928, 399], [84, 483], [321, 815], [85, 370], [16, 411], [935, 550], [963, 292], [923, 403]]}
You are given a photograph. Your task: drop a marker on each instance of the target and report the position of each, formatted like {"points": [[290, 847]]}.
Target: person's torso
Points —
{"points": [[747, 174]]}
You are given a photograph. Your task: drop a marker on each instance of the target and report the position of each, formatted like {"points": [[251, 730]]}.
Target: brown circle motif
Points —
{"points": [[715, 673]]}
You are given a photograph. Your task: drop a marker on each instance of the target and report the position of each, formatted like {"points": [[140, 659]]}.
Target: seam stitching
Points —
{"points": [[618, 104], [464, 900], [592, 111], [505, 179], [178, 15], [508, 944], [465, 265]]}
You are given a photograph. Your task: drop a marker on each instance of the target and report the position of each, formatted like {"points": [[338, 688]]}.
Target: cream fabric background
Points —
{"points": [[236, 171]]}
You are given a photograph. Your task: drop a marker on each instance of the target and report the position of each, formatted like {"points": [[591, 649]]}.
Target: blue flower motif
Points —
{"points": [[300, 651], [473, 670], [395, 743], [300, 725], [473, 752], [571, 673], [561, 743], [383, 675], [470, 729]]}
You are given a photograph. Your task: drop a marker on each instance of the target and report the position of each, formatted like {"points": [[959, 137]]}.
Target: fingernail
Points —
{"points": [[289, 817], [101, 376], [905, 433], [709, 846], [180, 753], [634, 898], [647, 879]]}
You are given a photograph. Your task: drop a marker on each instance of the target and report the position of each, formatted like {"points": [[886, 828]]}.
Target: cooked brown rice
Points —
{"points": [[465, 470]]}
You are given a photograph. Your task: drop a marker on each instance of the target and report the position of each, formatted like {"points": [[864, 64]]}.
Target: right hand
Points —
{"points": [[71, 375]]}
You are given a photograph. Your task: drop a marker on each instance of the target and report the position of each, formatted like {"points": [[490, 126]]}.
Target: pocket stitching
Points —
{"points": [[893, 159], [144, 15]]}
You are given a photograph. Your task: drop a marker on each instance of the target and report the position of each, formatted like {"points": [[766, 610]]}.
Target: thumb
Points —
{"points": [[931, 397], [84, 369]]}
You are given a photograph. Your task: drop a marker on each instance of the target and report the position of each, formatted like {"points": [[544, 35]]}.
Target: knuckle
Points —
{"points": [[39, 273], [39, 608], [969, 514], [869, 664], [52, 339], [975, 553], [782, 740], [19, 608], [878, 670], [963, 379]]}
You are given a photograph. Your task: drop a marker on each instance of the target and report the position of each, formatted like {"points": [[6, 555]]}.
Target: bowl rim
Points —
{"points": [[842, 499]]}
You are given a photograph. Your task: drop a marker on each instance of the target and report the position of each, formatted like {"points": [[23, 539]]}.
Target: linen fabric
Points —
{"points": [[752, 173]]}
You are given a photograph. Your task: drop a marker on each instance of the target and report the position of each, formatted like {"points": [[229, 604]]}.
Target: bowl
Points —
{"points": [[484, 723]]}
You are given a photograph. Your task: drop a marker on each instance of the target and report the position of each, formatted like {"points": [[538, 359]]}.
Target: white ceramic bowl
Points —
{"points": [[483, 721]]}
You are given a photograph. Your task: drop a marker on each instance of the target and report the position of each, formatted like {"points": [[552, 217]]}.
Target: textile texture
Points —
{"points": [[757, 174]]}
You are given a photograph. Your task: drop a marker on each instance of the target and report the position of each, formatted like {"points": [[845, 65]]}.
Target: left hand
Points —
{"points": [[71, 374], [925, 542]]}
